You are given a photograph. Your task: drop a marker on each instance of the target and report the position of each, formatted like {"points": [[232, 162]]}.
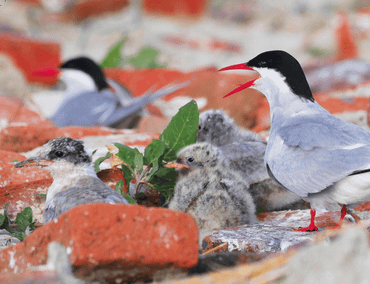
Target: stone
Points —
{"points": [[6, 239], [257, 238], [111, 242], [343, 260], [273, 233]]}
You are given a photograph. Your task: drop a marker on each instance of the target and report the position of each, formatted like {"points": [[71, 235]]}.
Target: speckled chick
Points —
{"points": [[244, 152], [219, 129], [216, 197], [75, 181]]}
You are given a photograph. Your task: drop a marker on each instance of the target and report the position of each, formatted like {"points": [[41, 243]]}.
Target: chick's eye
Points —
{"points": [[190, 159], [59, 154], [199, 127]]}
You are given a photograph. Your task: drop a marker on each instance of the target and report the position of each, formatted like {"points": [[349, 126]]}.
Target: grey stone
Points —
{"points": [[6, 239], [260, 238], [344, 260]]}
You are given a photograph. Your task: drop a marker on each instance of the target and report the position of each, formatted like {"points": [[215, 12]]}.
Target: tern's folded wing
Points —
{"points": [[321, 149]]}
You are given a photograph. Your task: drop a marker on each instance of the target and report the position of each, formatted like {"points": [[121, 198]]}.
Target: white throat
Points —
{"points": [[66, 175], [278, 93], [77, 81]]}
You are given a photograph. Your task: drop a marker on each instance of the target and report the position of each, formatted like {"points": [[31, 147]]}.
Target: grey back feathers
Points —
{"points": [[86, 190], [216, 197]]}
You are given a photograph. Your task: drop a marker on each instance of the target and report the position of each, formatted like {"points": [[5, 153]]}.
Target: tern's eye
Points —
{"points": [[59, 154], [190, 159]]}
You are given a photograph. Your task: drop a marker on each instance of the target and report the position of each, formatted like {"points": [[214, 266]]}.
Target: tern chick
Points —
{"points": [[321, 158], [243, 152], [219, 129], [75, 181], [216, 197]]}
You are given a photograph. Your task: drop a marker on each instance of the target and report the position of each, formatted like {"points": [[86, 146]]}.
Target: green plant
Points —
{"points": [[147, 169], [23, 221], [146, 57]]}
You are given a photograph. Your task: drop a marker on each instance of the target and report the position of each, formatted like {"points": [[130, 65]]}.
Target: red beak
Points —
{"points": [[243, 86], [46, 72]]}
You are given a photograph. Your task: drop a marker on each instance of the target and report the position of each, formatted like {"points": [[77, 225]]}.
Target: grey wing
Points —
{"points": [[247, 158], [138, 103], [94, 193], [311, 156]]}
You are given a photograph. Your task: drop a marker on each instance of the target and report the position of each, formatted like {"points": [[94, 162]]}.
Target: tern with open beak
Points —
{"points": [[321, 158]]}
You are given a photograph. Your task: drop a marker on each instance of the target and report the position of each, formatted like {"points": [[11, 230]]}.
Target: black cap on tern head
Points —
{"points": [[89, 67], [288, 66]]}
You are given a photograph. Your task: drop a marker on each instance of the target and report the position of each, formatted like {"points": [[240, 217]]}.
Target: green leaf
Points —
{"points": [[2, 220], [24, 219], [181, 131], [101, 160], [14, 161], [147, 57], [19, 235], [138, 160], [153, 151], [114, 56], [130, 199], [43, 195], [127, 174], [164, 181], [119, 186], [126, 154]]}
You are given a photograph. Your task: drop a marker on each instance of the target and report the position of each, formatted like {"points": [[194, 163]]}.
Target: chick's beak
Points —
{"points": [[242, 66], [33, 162], [174, 165]]}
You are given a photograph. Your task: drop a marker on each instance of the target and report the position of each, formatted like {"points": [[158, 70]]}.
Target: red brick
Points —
{"points": [[191, 8], [84, 9], [153, 124], [30, 276], [112, 176], [31, 54], [131, 240]]}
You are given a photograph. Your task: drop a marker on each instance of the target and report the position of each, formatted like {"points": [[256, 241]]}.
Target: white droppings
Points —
{"points": [[55, 220], [176, 237], [71, 242], [12, 260], [68, 250], [124, 215], [32, 249]]}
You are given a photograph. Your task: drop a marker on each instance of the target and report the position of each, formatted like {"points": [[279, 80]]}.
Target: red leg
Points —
{"points": [[343, 213], [312, 226]]}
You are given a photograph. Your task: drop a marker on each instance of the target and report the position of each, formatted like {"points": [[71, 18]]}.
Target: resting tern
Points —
{"points": [[75, 181], [88, 101]]}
